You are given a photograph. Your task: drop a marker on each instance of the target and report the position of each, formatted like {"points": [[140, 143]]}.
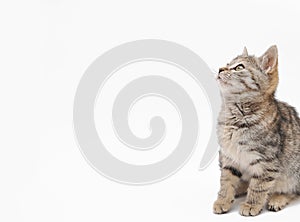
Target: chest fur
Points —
{"points": [[236, 148]]}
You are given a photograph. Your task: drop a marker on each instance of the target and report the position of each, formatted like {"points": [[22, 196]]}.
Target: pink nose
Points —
{"points": [[224, 75], [223, 69]]}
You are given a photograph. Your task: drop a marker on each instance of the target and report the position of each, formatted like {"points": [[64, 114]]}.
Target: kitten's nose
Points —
{"points": [[223, 73], [223, 69]]}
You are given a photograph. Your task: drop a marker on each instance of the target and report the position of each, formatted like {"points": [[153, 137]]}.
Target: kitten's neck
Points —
{"points": [[249, 100], [248, 111]]}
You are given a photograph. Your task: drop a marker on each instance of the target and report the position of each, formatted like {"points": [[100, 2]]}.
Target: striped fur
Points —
{"points": [[259, 137]]}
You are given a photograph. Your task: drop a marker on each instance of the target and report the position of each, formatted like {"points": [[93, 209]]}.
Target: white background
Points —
{"points": [[45, 48]]}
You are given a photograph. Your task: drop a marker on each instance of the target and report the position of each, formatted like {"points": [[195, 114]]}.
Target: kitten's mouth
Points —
{"points": [[223, 78]]}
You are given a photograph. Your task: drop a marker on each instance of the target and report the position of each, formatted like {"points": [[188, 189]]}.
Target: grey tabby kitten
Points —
{"points": [[259, 137]]}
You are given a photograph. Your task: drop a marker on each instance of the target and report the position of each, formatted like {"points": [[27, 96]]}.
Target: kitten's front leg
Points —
{"points": [[258, 190], [230, 178]]}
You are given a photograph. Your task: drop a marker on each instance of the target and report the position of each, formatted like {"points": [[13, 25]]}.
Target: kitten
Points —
{"points": [[259, 137]]}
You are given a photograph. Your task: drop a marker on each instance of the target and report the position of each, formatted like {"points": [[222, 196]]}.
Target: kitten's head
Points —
{"points": [[250, 76]]}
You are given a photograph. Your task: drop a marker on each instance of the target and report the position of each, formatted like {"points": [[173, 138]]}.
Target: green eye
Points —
{"points": [[239, 67]]}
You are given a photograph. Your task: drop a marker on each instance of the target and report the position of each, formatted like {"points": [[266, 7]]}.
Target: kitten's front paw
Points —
{"points": [[222, 206], [250, 210], [277, 203]]}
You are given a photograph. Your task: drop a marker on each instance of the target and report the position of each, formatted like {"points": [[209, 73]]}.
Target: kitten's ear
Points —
{"points": [[268, 61], [245, 52]]}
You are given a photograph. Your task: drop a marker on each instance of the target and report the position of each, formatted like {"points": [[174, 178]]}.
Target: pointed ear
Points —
{"points": [[245, 52], [269, 60]]}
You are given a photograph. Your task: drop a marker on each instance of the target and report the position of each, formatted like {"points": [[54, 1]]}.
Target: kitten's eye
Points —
{"points": [[239, 67]]}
